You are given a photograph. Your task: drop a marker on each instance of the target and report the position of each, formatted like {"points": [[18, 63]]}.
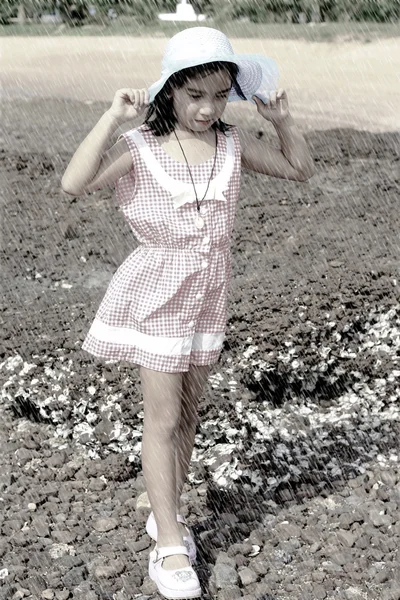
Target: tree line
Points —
{"points": [[75, 12]]}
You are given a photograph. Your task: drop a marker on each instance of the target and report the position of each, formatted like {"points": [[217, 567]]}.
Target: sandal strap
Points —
{"points": [[179, 518], [164, 551]]}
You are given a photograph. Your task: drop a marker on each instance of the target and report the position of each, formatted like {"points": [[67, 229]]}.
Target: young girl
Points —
{"points": [[177, 181]]}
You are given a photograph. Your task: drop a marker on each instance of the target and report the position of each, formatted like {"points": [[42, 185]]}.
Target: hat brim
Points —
{"points": [[258, 75]]}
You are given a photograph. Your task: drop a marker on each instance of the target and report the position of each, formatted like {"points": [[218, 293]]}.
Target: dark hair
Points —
{"points": [[165, 119]]}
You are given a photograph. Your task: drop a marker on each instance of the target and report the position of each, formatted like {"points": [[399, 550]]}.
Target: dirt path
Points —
{"points": [[329, 84], [294, 487]]}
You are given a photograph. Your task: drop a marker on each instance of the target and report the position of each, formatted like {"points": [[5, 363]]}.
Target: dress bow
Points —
{"points": [[184, 192]]}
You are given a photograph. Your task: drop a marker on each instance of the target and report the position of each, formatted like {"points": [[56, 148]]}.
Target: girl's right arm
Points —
{"points": [[91, 167]]}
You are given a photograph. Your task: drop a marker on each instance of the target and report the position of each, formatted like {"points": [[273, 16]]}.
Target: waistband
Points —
{"points": [[180, 249]]}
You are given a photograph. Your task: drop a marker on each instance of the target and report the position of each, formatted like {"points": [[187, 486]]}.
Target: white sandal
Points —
{"points": [[173, 583], [151, 529]]}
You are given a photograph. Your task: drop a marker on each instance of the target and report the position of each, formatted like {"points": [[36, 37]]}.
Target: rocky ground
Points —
{"points": [[294, 487]]}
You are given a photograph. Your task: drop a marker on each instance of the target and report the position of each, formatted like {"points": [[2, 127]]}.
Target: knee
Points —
{"points": [[162, 424], [162, 402]]}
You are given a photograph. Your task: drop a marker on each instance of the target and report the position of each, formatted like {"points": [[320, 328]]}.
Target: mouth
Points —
{"points": [[203, 122]]}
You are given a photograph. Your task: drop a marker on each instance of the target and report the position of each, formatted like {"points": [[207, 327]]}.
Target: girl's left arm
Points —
{"points": [[293, 160]]}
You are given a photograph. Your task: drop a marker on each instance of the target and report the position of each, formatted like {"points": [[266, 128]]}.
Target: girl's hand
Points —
{"points": [[277, 109], [129, 104]]}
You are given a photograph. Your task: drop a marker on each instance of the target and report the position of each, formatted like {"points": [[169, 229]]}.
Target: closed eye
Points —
{"points": [[218, 97]]}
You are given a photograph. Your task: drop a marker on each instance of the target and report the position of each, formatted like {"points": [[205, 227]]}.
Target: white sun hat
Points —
{"points": [[258, 74]]}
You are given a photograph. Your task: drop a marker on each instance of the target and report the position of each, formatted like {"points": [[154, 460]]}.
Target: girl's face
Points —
{"points": [[201, 101]]}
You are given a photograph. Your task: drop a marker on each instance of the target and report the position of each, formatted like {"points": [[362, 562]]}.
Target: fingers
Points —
{"points": [[144, 97], [271, 103], [276, 108], [258, 101], [276, 98], [138, 98]]}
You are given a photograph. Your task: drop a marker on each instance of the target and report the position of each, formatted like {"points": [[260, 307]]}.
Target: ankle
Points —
{"points": [[178, 512], [171, 531], [169, 541]]}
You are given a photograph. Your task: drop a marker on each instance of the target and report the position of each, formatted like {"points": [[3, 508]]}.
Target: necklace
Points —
{"points": [[199, 221]]}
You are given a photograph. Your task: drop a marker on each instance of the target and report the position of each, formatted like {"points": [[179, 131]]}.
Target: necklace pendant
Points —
{"points": [[199, 222]]}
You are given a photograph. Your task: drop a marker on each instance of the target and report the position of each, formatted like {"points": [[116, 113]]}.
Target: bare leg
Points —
{"points": [[193, 384], [162, 409]]}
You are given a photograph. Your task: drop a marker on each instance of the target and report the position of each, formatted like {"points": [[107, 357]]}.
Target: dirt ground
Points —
{"points": [[294, 488]]}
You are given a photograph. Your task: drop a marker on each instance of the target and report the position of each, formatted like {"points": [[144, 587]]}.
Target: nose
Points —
{"points": [[207, 111]]}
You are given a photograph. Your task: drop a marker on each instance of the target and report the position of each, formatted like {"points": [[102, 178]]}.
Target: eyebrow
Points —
{"points": [[202, 92]]}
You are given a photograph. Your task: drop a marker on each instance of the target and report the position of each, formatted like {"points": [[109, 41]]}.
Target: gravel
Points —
{"points": [[294, 484]]}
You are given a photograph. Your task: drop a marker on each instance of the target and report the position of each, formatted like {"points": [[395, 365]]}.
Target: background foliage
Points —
{"points": [[76, 12]]}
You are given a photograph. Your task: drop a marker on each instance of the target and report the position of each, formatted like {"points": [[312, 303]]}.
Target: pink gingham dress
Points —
{"points": [[165, 306]]}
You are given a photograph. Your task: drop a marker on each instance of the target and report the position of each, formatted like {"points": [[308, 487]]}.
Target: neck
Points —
{"points": [[186, 133]]}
